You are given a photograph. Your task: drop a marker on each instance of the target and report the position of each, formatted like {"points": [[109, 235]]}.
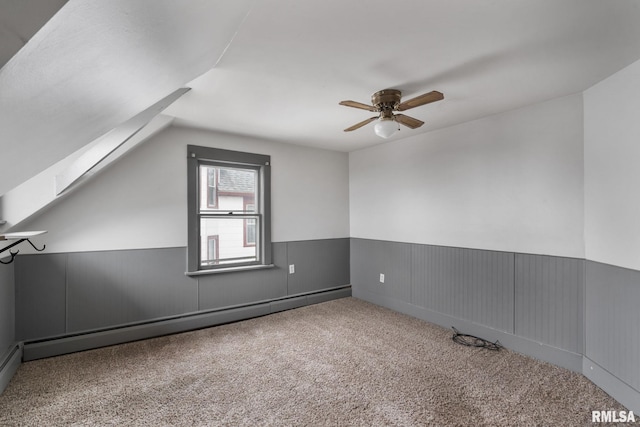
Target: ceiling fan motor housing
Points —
{"points": [[387, 99]]}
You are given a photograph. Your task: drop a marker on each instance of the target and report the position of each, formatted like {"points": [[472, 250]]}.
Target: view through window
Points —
{"points": [[228, 220], [232, 218]]}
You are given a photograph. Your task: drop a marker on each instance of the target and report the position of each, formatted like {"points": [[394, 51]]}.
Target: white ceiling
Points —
{"points": [[20, 20], [281, 71], [96, 64]]}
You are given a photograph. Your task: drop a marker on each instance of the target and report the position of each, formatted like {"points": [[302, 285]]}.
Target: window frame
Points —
{"points": [[198, 155]]}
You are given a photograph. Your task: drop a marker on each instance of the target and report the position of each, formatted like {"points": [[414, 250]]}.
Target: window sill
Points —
{"points": [[229, 270]]}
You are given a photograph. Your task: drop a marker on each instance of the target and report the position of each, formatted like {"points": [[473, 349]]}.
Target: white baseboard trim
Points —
{"points": [[616, 388], [9, 364]]}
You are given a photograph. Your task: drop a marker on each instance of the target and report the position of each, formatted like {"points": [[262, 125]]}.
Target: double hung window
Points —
{"points": [[228, 209]]}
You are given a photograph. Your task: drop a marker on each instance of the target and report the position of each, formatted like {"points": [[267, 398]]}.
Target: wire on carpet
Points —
{"points": [[473, 341]]}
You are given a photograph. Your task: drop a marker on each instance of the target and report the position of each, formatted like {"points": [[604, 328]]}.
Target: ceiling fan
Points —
{"points": [[386, 102]]}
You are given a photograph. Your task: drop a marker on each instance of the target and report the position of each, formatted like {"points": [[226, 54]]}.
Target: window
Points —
{"points": [[212, 250], [228, 196], [250, 226], [212, 185]]}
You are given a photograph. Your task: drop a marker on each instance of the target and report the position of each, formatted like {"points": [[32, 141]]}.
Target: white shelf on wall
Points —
{"points": [[19, 237]]}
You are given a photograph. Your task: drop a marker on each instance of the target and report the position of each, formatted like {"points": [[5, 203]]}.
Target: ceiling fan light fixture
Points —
{"points": [[386, 127], [386, 102]]}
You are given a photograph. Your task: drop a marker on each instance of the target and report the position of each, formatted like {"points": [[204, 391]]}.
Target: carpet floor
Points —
{"points": [[341, 363]]}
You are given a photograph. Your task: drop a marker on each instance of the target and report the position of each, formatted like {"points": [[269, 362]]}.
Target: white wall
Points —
{"points": [[511, 182], [141, 200], [612, 169]]}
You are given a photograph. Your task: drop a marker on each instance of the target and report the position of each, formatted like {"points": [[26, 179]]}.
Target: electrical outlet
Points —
{"points": [[292, 268], [381, 278]]}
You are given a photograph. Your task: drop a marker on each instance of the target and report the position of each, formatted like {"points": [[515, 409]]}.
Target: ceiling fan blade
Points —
{"points": [[408, 121], [359, 125], [360, 105], [420, 100]]}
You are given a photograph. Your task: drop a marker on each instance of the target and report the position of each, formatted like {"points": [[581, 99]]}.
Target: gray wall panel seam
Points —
{"points": [[66, 293], [513, 286], [584, 307], [411, 273]]}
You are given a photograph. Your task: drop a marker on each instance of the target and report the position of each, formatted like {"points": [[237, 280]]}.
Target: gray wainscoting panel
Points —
{"points": [[7, 308], [9, 363], [319, 264], [40, 295], [549, 300], [118, 287], [612, 320], [370, 258], [475, 285], [237, 288]]}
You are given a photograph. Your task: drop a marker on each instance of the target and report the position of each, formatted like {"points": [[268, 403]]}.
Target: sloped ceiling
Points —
{"points": [[20, 20], [97, 63], [292, 62], [277, 69]]}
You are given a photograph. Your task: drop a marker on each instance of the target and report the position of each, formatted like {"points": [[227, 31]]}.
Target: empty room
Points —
{"points": [[276, 212]]}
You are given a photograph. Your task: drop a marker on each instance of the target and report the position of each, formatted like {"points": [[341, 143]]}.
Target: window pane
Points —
{"points": [[227, 189], [229, 235], [250, 231], [212, 180], [212, 251], [208, 178]]}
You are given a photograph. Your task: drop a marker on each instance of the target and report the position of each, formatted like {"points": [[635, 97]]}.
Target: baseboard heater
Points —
{"points": [[9, 365], [170, 325]]}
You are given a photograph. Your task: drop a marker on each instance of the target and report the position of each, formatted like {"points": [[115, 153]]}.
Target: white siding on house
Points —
{"points": [[230, 233]]}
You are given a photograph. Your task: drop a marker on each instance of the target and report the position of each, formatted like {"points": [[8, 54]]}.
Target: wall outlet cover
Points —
{"points": [[381, 278], [292, 268]]}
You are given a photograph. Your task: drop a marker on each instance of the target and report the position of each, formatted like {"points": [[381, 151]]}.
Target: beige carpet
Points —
{"points": [[343, 362]]}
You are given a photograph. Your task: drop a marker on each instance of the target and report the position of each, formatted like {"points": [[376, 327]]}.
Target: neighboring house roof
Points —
{"points": [[236, 181]]}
